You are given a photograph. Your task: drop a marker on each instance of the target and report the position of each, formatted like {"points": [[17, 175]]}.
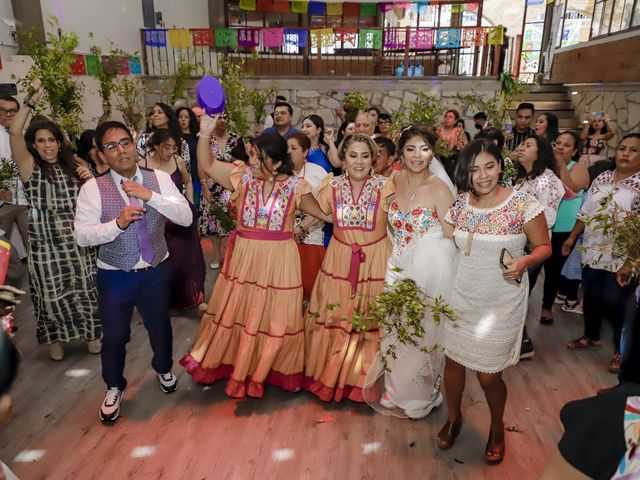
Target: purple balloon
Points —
{"points": [[210, 95]]}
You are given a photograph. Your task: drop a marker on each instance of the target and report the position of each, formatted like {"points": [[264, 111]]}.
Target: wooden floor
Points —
{"points": [[199, 433]]}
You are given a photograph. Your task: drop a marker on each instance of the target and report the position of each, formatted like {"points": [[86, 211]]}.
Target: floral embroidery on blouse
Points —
{"points": [[224, 156], [270, 214], [350, 214], [407, 226], [508, 219], [548, 190]]}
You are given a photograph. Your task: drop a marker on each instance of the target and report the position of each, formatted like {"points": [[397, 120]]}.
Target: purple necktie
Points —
{"points": [[144, 240]]}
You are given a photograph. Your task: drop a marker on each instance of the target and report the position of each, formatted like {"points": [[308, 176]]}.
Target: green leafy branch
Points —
{"points": [[107, 70], [624, 226], [236, 98], [399, 311], [353, 103], [258, 99], [52, 64], [129, 92], [177, 82], [221, 214]]}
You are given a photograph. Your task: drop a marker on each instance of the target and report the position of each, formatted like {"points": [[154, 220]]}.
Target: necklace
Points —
{"points": [[412, 194], [475, 220]]}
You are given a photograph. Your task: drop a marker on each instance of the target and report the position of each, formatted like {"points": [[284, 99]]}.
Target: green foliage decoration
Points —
{"points": [[399, 312], [107, 70], [258, 99], [624, 225], [129, 94], [353, 103], [52, 64], [177, 82], [236, 97]]}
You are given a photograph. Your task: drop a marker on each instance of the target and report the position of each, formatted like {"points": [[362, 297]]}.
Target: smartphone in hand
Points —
{"points": [[504, 255]]}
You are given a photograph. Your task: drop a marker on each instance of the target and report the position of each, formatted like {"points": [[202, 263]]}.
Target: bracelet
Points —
{"points": [[30, 105]]}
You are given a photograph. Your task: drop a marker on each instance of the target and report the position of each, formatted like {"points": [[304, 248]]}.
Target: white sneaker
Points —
{"points": [[110, 408], [573, 307], [168, 382], [215, 265], [386, 402]]}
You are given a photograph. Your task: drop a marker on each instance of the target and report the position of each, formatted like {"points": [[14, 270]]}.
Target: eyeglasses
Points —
{"points": [[124, 143], [10, 111]]}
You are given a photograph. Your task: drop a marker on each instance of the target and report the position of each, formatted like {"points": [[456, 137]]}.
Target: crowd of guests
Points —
{"points": [[307, 227]]}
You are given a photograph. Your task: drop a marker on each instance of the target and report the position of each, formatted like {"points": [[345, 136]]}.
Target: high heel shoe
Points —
{"points": [[494, 453], [448, 434]]}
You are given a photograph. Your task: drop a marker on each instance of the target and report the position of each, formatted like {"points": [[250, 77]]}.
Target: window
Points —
{"points": [[621, 15]]}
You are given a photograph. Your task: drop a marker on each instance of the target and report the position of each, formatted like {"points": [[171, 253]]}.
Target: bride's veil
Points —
{"points": [[436, 167]]}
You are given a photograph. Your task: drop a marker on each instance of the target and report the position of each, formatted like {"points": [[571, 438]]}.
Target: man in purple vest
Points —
{"points": [[123, 211]]}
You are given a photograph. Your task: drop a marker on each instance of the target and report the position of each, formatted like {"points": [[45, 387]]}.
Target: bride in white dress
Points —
{"points": [[423, 194]]}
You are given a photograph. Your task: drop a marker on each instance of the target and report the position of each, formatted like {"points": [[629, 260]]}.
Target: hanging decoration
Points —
{"points": [[155, 37], [295, 36], [368, 9], [273, 37], [448, 38], [370, 38], [473, 37], [249, 37], [334, 8], [202, 37], [93, 63], [226, 37], [299, 6], [350, 9], [421, 38], [135, 67], [179, 38], [317, 8], [321, 37], [79, 67], [248, 5], [280, 6], [395, 38], [495, 35], [346, 36]]}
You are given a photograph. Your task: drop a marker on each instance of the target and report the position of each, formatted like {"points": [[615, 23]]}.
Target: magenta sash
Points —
{"points": [[252, 235]]}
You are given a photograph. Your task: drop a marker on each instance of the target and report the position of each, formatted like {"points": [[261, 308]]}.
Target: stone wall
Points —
{"points": [[322, 95], [621, 101]]}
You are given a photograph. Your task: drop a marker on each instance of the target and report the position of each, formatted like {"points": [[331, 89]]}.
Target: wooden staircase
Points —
{"points": [[554, 99]]}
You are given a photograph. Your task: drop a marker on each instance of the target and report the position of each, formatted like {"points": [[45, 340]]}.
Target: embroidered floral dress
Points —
{"points": [[491, 310], [209, 224], [420, 253], [253, 330], [352, 274]]}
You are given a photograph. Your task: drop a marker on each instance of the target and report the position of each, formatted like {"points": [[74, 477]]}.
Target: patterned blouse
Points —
{"points": [[407, 226], [350, 213], [267, 214], [548, 190], [506, 219]]}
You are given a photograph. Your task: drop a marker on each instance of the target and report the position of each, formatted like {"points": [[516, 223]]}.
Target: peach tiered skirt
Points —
{"points": [[253, 330]]}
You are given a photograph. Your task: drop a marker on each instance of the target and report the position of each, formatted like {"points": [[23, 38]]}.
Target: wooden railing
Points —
{"points": [[399, 50]]}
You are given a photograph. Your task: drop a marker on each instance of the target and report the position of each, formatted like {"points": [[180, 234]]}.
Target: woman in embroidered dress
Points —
{"points": [[61, 274], [222, 144], [420, 253], [253, 330], [489, 299], [352, 274]]}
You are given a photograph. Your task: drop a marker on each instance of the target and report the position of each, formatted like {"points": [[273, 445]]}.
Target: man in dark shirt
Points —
{"points": [[282, 114], [522, 128]]}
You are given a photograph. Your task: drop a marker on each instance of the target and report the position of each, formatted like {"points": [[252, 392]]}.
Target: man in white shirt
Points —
{"points": [[14, 206], [123, 212]]}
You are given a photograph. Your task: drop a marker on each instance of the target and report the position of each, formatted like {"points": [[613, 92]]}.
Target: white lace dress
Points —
{"points": [[491, 310]]}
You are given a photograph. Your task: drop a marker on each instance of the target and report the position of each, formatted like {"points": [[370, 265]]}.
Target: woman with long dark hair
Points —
{"points": [[321, 151], [252, 331], [490, 225], [88, 152], [546, 126], [62, 274], [595, 134], [185, 253], [162, 116], [189, 133]]}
